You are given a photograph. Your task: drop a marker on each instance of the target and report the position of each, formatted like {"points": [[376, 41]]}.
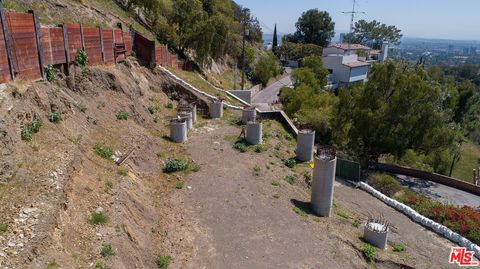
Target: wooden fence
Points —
{"points": [[26, 48]]}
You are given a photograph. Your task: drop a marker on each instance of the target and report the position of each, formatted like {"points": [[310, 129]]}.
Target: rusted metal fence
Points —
{"points": [[26, 48]]}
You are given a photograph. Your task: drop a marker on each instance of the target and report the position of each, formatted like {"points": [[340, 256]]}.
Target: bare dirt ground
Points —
{"points": [[240, 220]]}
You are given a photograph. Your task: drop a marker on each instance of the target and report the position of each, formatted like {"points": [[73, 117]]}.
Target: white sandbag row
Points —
{"points": [[438, 228], [191, 87]]}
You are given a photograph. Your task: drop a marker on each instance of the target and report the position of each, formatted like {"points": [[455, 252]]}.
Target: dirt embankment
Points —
{"points": [[51, 185]]}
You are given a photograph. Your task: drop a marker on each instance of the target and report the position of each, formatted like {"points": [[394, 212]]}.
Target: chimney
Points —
{"points": [[384, 54]]}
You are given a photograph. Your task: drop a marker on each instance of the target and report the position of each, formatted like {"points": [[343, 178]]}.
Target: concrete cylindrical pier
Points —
{"points": [[188, 118], [322, 185], [376, 234], [193, 108], [216, 109], [305, 144], [178, 130], [249, 114], [254, 132]]}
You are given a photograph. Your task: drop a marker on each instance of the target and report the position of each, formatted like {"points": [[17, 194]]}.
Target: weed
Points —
{"points": [[175, 165], [152, 109], [83, 108], [156, 119], [86, 71], [108, 185], [299, 211], [288, 136], [88, 189], [53, 265], [122, 115], [256, 170], [266, 135], [179, 185], [100, 264], [163, 261], [51, 73], [3, 228], [260, 148], [55, 117], [386, 184], [15, 92], [308, 177], [98, 218], [35, 147], [103, 151], [28, 129], [241, 145], [174, 95], [81, 59], [334, 205], [194, 167], [343, 214], [107, 250], [122, 172], [275, 183], [317, 219], [290, 163], [276, 196], [161, 154], [400, 247], [169, 104], [291, 179], [76, 139], [369, 252], [278, 146], [356, 223]]}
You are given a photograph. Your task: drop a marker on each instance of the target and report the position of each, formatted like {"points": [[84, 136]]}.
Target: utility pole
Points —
{"points": [[245, 33], [352, 18]]}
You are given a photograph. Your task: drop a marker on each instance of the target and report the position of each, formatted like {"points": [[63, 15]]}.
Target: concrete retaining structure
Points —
{"points": [[415, 216], [376, 234], [188, 118], [193, 108], [216, 109], [178, 130], [249, 114], [305, 145], [254, 133], [322, 185], [246, 95]]}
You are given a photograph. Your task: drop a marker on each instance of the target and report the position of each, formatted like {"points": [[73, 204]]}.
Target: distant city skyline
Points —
{"points": [[455, 20]]}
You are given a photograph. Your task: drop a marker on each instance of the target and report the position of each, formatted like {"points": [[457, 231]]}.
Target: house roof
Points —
{"points": [[344, 46], [375, 52], [356, 64]]}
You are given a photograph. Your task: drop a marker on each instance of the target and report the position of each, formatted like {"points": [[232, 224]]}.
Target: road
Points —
{"points": [[269, 94], [440, 192]]}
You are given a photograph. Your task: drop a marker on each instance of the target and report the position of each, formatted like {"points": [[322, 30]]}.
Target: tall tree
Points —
{"points": [[275, 38], [314, 27], [374, 33]]}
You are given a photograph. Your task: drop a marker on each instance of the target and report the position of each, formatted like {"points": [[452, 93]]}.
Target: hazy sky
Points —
{"points": [[450, 19]]}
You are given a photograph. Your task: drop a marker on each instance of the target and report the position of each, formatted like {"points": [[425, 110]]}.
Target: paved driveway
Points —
{"points": [[270, 93]]}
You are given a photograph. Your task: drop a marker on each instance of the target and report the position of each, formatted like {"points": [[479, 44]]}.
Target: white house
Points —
{"points": [[350, 63]]}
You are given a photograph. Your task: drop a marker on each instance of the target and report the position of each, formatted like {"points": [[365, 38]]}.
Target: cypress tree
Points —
{"points": [[275, 39]]}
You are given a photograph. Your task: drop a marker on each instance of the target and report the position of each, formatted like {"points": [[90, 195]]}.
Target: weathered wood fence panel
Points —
{"points": [[53, 46], [145, 49], [127, 38], [74, 36], [4, 66], [108, 53], [21, 29], [93, 47]]}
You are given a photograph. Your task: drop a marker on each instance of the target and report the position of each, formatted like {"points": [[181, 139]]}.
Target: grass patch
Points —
{"points": [[122, 115], [469, 160], [76, 139], [122, 172], [290, 163], [108, 185], [276, 196], [169, 104], [53, 265], [194, 167], [107, 250], [3, 228], [163, 261], [291, 179], [260, 148], [241, 145], [29, 129], [103, 151], [256, 170], [275, 183], [299, 211], [386, 184], [55, 117], [356, 223], [179, 185], [161, 154], [175, 165], [369, 252], [400, 247], [343, 214], [98, 218], [100, 264]]}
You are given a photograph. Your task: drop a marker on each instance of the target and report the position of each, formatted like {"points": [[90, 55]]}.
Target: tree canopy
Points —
{"points": [[374, 33], [296, 51], [313, 27]]}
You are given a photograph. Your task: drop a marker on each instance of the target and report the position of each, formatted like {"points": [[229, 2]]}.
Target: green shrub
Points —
{"points": [[356, 223], [152, 109], [28, 129], [194, 167], [103, 151], [275, 183], [81, 59], [288, 136], [3, 228], [163, 261], [179, 185], [175, 165], [386, 184], [241, 146], [51, 73], [107, 250], [290, 162], [122, 172], [174, 95], [100, 264], [291, 179], [369, 252], [260, 148], [15, 92], [400, 247], [98, 218], [256, 170], [169, 104], [122, 115], [55, 117], [300, 211]]}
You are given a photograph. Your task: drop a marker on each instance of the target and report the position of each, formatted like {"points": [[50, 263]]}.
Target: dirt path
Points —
{"points": [[236, 221]]}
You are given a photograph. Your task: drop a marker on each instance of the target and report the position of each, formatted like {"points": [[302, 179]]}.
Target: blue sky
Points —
{"points": [[448, 19]]}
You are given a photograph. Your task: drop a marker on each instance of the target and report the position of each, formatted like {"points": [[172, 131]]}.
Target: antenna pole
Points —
{"points": [[351, 27]]}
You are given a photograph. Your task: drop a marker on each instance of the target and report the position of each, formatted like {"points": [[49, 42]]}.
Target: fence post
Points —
{"points": [[38, 35], [81, 37], [6, 37], [101, 43], [66, 47], [154, 56]]}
